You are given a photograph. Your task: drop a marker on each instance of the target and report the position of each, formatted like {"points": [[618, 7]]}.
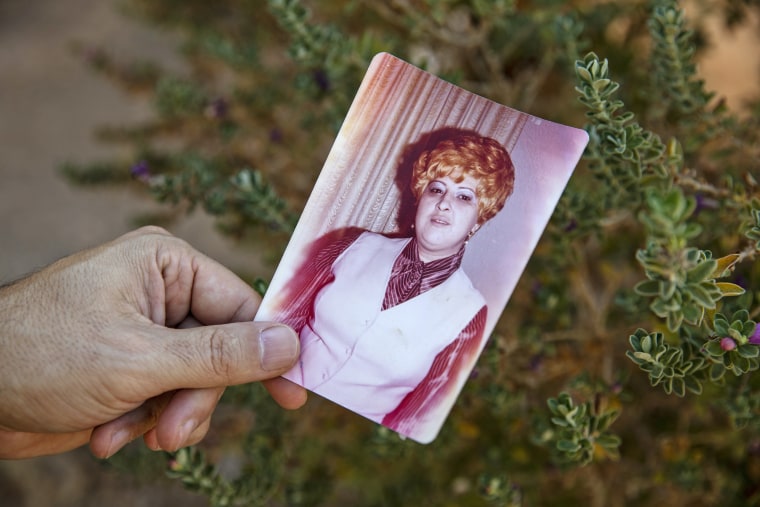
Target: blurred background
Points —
{"points": [[50, 106]]}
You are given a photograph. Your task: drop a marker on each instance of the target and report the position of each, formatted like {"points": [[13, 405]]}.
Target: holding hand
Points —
{"points": [[136, 337]]}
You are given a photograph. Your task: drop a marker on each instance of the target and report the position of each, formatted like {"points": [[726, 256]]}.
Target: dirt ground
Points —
{"points": [[49, 106]]}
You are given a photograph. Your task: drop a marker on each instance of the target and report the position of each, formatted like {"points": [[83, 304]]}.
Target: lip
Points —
{"points": [[439, 220]]}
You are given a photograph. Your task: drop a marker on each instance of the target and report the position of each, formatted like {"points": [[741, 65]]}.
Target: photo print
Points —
{"points": [[423, 217]]}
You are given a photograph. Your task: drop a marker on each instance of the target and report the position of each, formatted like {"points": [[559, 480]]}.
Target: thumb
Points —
{"points": [[222, 355]]}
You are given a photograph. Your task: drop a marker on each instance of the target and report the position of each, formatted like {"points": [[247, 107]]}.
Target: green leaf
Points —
{"points": [[701, 271], [660, 307], [604, 420], [609, 441], [736, 334], [667, 289], [713, 348], [693, 385], [643, 356], [717, 370], [647, 288], [646, 344], [679, 386], [748, 350], [693, 313], [693, 255], [742, 364], [720, 325], [700, 295], [676, 205], [674, 320], [600, 84], [568, 446], [691, 230]]}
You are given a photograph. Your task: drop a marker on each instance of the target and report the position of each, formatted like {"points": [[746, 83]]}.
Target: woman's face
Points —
{"points": [[447, 213]]}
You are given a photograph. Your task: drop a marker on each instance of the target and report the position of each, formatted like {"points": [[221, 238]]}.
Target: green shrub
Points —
{"points": [[635, 319]]}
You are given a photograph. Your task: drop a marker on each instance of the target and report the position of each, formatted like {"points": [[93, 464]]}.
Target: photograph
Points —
{"points": [[417, 230]]}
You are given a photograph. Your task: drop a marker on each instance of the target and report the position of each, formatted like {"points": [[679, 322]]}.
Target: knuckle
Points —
{"points": [[221, 353], [148, 230]]}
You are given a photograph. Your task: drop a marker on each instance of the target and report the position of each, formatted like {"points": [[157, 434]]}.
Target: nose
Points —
{"points": [[443, 202]]}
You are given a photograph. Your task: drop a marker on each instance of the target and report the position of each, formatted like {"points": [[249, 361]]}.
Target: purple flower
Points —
{"points": [[140, 171], [704, 202], [727, 344], [275, 135], [754, 338], [571, 226], [217, 109], [321, 79]]}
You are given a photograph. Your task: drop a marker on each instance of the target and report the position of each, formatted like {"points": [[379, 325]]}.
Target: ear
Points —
{"points": [[474, 229]]}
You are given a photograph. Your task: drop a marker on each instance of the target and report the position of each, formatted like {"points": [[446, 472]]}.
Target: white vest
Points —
{"points": [[367, 359]]}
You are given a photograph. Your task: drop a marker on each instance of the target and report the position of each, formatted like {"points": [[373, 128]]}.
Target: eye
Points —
{"points": [[435, 188], [466, 196]]}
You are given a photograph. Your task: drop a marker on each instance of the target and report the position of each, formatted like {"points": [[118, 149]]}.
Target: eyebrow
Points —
{"points": [[459, 187]]}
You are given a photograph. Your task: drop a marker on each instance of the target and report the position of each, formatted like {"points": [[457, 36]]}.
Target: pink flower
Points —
{"points": [[754, 338], [727, 343]]}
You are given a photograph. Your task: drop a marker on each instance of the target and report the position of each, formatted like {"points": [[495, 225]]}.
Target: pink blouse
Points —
{"points": [[409, 278]]}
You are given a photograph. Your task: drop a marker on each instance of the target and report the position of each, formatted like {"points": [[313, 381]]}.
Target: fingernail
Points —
{"points": [[185, 431], [118, 440], [279, 347]]}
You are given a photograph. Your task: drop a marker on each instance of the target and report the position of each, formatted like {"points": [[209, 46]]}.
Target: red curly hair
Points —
{"points": [[480, 157]]}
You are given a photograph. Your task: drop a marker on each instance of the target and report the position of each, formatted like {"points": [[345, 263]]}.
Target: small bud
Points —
{"points": [[174, 465], [727, 344]]}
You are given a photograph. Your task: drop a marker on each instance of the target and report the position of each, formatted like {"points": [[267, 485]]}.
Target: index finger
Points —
{"points": [[197, 285], [219, 296]]}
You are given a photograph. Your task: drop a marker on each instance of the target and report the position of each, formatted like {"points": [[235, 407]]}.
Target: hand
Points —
{"points": [[136, 337]]}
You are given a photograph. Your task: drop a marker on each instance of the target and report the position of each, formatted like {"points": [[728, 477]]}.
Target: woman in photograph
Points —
{"points": [[386, 323]]}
